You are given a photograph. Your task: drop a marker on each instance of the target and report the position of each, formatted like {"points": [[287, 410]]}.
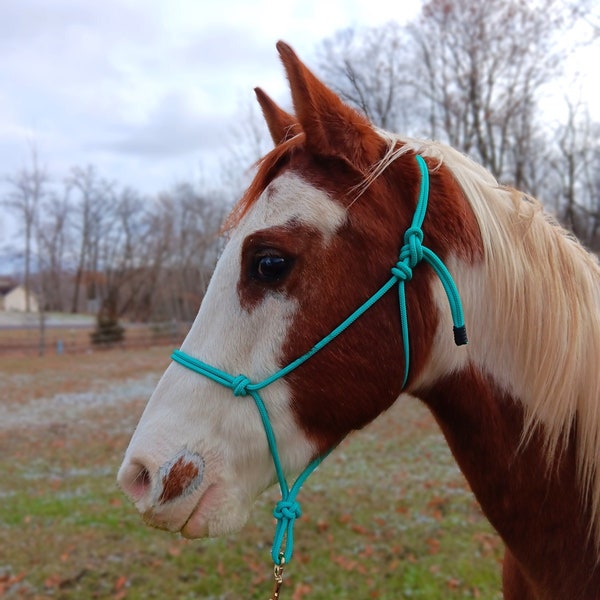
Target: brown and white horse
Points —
{"points": [[313, 237]]}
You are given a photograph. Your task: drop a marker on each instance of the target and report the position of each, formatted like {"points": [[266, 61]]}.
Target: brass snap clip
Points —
{"points": [[278, 575]]}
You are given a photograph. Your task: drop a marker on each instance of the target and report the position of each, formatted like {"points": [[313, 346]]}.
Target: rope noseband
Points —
{"points": [[412, 253]]}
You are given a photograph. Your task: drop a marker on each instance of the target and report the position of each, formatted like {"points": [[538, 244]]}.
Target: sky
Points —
{"points": [[148, 91]]}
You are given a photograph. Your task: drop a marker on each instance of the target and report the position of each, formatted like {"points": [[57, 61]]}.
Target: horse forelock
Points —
{"points": [[268, 168]]}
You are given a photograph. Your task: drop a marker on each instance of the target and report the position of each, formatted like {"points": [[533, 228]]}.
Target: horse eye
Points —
{"points": [[270, 268]]}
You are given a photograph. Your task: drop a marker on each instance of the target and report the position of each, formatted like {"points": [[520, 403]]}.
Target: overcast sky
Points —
{"points": [[147, 90]]}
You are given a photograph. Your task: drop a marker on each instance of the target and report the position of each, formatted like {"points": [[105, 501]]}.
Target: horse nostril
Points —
{"points": [[142, 480], [179, 476], [135, 480]]}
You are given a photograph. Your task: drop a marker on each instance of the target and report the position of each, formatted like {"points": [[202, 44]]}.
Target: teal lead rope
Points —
{"points": [[412, 253]]}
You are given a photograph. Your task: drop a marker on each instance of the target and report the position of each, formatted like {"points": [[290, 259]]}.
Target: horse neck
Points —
{"points": [[527, 483], [534, 507]]}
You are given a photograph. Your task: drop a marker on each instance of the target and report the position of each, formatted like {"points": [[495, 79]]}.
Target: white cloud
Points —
{"points": [[175, 127], [138, 79]]}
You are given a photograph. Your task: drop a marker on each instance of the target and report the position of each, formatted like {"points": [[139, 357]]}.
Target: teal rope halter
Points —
{"points": [[412, 253]]}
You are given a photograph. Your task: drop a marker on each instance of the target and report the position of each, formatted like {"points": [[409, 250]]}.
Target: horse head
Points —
{"points": [[314, 236]]}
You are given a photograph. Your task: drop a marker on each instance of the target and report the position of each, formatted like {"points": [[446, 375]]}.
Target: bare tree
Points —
{"points": [[467, 72], [27, 189], [92, 198], [52, 241], [248, 141], [148, 277], [576, 167], [482, 66], [191, 223], [118, 256], [369, 69]]}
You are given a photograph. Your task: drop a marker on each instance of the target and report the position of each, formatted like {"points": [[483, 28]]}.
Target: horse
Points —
{"points": [[302, 338]]}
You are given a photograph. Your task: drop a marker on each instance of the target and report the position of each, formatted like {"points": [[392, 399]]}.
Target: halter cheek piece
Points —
{"points": [[412, 253]]}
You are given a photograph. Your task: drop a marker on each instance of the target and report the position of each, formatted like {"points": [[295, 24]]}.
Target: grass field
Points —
{"points": [[388, 515]]}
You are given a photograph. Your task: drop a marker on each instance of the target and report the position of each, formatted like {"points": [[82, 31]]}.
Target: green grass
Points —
{"points": [[388, 515]]}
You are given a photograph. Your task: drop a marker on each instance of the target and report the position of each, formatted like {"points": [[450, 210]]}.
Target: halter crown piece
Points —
{"points": [[412, 252]]}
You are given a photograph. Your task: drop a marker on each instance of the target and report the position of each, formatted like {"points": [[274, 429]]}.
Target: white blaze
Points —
{"points": [[189, 411]]}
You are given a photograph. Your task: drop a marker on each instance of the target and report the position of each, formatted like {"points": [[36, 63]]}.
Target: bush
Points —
{"points": [[108, 332]]}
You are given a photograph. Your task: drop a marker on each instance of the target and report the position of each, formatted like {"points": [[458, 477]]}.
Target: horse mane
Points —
{"points": [[545, 316]]}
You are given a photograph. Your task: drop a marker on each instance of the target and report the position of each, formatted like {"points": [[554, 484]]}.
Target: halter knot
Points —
{"points": [[402, 271], [413, 246], [287, 509], [239, 385]]}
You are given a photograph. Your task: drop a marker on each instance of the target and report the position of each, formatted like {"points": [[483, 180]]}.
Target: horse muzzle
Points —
{"points": [[168, 496]]}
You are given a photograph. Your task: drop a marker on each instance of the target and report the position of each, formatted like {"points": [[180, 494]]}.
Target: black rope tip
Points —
{"points": [[460, 336]]}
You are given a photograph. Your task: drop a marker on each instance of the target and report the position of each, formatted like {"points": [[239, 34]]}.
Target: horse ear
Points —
{"points": [[282, 126], [332, 128]]}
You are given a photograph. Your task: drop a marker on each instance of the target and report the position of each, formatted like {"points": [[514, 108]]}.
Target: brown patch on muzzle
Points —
{"points": [[181, 475]]}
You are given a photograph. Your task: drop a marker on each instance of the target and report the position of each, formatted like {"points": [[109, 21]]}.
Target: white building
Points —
{"points": [[14, 300]]}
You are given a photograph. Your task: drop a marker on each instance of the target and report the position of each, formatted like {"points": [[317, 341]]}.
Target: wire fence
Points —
{"points": [[77, 338]]}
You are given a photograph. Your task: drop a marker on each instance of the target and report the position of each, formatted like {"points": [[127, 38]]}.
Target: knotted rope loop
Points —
{"points": [[411, 254], [286, 512], [239, 385], [413, 246], [402, 271], [287, 509]]}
